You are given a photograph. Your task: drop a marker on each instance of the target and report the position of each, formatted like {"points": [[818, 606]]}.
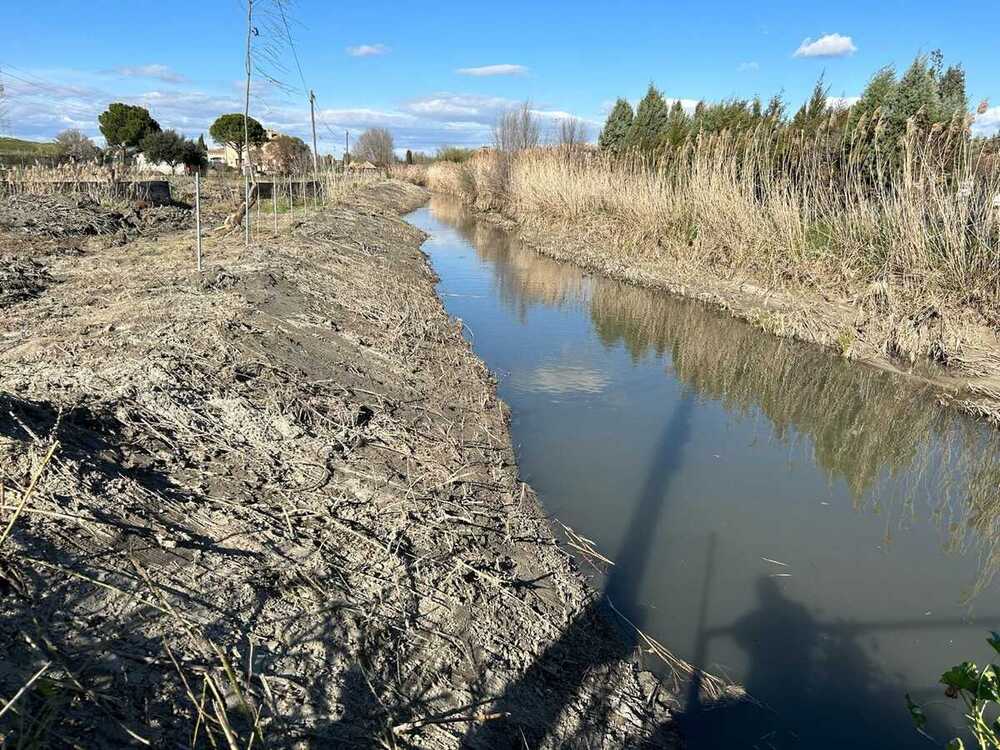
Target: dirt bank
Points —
{"points": [[956, 352], [277, 501]]}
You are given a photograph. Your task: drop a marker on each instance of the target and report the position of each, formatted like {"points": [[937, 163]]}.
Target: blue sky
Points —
{"points": [[438, 73]]}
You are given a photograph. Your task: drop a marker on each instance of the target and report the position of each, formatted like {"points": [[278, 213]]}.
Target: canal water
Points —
{"points": [[818, 531]]}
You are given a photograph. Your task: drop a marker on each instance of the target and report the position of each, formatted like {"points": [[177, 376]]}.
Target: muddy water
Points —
{"points": [[818, 531]]}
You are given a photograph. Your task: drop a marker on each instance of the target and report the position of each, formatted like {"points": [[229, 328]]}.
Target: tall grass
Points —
{"points": [[831, 211], [413, 173], [98, 182]]}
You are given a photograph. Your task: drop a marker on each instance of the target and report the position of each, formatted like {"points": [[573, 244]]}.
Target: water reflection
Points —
{"points": [[900, 455], [820, 531]]}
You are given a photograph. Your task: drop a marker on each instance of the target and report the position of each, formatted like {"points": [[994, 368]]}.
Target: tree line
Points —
{"points": [[130, 130], [927, 99]]}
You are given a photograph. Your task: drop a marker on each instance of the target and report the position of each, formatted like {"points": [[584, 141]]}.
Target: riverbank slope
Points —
{"points": [[277, 499]]}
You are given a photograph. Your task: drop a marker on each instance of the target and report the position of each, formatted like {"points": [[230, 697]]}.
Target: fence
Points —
{"points": [[260, 205]]}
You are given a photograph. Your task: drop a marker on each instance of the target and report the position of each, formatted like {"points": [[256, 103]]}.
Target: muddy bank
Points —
{"points": [[279, 499], [958, 355]]}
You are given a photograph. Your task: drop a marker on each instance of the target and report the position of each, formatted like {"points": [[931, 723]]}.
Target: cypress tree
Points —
{"points": [[951, 92], [616, 128], [650, 122], [678, 125], [810, 115], [916, 97], [775, 111], [877, 95]]}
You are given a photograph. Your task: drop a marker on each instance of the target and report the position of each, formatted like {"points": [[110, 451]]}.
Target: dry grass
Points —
{"points": [[95, 181], [108, 184], [412, 173], [286, 487], [921, 230]]}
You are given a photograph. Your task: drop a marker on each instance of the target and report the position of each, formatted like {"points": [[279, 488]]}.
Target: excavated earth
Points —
{"points": [[275, 504]]}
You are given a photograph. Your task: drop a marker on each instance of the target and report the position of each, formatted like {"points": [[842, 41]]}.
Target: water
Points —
{"points": [[818, 531]]}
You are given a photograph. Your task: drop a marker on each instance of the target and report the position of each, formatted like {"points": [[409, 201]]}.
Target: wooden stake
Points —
{"points": [[197, 215]]}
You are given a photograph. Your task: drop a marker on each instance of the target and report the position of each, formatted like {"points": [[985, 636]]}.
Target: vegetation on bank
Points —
{"points": [[979, 692], [926, 98], [889, 203]]}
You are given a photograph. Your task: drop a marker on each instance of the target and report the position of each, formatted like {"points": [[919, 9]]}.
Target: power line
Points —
{"points": [[291, 43], [38, 83]]}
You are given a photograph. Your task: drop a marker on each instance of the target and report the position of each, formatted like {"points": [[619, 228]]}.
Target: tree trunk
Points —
{"points": [[235, 220]]}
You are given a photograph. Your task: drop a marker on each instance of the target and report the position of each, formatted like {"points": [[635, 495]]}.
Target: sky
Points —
{"points": [[438, 73]]}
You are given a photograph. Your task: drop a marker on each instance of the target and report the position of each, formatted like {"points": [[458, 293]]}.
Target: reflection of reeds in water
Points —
{"points": [[898, 454], [860, 422], [524, 277]]}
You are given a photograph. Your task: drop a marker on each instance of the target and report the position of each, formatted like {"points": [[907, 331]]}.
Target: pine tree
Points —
{"points": [[201, 144], [650, 122], [616, 128], [409, 156]]}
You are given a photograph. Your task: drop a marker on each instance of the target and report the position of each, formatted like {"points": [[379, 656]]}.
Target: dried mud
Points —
{"points": [[275, 504]]}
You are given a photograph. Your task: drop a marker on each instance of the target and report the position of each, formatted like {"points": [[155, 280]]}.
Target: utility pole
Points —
{"points": [[4, 125], [248, 164], [312, 116]]}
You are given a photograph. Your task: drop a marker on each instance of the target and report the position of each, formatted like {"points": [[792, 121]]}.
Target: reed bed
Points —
{"points": [[98, 182], [103, 183], [916, 226], [415, 174]]}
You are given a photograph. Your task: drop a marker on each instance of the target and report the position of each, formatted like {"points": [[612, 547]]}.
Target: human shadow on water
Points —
{"points": [[816, 685], [595, 641]]}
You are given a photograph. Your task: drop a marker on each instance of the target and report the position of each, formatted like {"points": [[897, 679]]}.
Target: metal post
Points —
{"points": [[246, 208], [197, 215], [274, 203]]}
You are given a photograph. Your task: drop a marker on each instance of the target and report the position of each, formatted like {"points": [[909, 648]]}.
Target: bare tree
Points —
{"points": [[76, 146], [517, 129], [572, 132], [374, 145]]}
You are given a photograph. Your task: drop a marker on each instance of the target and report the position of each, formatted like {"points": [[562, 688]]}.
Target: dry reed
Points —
{"points": [[921, 226]]}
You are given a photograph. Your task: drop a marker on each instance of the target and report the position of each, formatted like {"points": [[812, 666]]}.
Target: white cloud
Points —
{"points": [[748, 67], [63, 99], [842, 102], [988, 123], [828, 45], [494, 70], [468, 107], [367, 50], [159, 72]]}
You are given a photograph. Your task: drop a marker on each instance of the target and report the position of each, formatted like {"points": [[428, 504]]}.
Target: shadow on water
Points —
{"points": [[817, 681], [571, 656]]}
